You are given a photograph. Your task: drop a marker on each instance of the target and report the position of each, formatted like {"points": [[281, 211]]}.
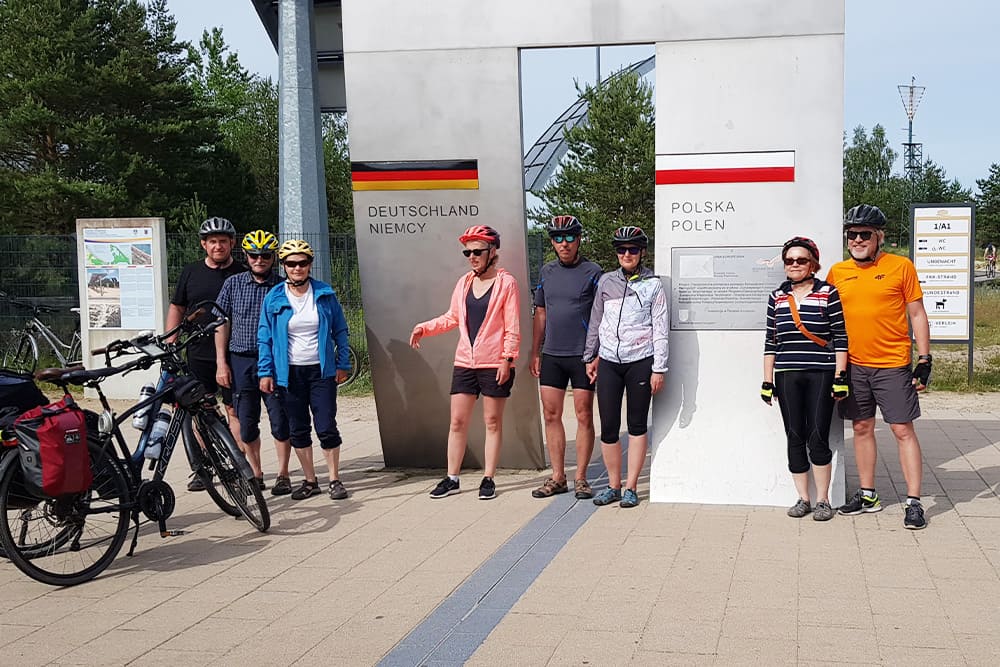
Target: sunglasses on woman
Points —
{"points": [[475, 251], [631, 250], [559, 238], [865, 235], [294, 264], [799, 261]]}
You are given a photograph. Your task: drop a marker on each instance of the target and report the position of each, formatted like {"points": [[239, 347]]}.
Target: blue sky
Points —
{"points": [[949, 47]]}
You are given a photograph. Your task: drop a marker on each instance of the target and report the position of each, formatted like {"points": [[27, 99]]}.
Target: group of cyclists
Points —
{"points": [[843, 340], [847, 340], [603, 333], [285, 344]]}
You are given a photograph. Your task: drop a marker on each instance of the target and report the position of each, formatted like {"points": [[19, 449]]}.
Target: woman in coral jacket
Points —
{"points": [[485, 307]]}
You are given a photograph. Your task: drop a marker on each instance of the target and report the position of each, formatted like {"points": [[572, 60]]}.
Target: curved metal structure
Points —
{"points": [[543, 157]]}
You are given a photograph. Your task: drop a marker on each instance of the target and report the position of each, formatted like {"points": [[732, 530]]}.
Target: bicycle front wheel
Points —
{"points": [[70, 540], [240, 489], [21, 354]]}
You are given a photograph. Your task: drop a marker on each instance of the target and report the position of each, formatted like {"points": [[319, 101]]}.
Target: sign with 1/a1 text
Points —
{"points": [[942, 250]]}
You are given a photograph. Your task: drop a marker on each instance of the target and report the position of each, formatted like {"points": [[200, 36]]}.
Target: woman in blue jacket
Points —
{"points": [[303, 355]]}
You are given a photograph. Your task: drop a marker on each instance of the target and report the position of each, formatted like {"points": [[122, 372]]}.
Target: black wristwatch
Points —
{"points": [[925, 357], [510, 360]]}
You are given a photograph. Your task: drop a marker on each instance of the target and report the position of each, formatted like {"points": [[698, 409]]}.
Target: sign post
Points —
{"points": [[943, 250]]}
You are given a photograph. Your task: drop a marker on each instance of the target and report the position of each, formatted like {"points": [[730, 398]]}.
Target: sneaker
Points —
{"points": [[337, 490], [860, 503], [914, 517], [823, 511], [196, 484], [550, 488], [282, 486], [306, 489], [799, 509], [608, 496], [446, 487], [629, 498], [488, 489], [582, 490]]}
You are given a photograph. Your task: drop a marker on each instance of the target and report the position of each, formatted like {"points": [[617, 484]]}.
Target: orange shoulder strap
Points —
{"points": [[798, 323]]}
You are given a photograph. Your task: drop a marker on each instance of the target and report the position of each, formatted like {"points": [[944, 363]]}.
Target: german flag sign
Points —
{"points": [[416, 175]]}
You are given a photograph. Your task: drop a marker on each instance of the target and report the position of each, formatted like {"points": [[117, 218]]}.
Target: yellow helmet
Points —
{"points": [[260, 241], [295, 247]]}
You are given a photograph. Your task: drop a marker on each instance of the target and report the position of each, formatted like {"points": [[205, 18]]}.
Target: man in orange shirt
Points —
{"points": [[882, 301]]}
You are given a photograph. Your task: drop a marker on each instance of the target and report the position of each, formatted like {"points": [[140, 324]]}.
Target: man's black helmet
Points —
{"points": [[564, 224], [630, 234], [865, 214]]}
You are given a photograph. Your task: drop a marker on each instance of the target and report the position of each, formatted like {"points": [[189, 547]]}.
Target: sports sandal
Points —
{"points": [[550, 488], [282, 486], [582, 489], [306, 489]]}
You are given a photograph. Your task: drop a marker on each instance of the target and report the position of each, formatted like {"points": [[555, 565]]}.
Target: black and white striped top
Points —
{"points": [[821, 314]]}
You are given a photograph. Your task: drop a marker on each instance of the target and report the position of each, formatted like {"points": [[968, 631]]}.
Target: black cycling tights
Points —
{"points": [[806, 408], [613, 380]]}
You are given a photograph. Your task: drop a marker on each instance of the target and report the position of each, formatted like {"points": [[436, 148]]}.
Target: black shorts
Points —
{"points": [[205, 370], [558, 371], [477, 381], [891, 389]]}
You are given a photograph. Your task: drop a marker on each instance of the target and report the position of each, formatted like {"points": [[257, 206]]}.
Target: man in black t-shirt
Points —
{"points": [[202, 281]]}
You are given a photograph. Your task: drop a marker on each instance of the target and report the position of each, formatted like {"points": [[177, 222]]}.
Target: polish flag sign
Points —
{"points": [[757, 167]]}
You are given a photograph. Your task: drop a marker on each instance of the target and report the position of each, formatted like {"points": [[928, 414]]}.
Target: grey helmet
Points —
{"points": [[217, 226], [865, 215], [564, 224]]}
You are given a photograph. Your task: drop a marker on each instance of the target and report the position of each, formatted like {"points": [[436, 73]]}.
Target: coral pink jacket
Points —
{"points": [[500, 335]]}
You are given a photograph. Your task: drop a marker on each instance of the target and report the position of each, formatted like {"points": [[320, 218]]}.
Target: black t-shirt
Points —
{"points": [[198, 282]]}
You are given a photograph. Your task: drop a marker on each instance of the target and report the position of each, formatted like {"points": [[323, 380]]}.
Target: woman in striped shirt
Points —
{"points": [[805, 367]]}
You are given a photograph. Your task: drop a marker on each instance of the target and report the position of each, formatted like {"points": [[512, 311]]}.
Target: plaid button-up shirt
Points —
{"points": [[241, 297]]}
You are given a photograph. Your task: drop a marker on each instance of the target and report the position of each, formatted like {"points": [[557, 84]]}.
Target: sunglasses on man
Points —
{"points": [[295, 264], [560, 238], [260, 255], [865, 235], [630, 250], [475, 251]]}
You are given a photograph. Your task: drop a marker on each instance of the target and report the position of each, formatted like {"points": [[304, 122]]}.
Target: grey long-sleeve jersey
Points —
{"points": [[632, 315]]}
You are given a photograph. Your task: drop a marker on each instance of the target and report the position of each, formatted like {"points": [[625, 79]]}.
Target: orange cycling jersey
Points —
{"points": [[875, 298]]}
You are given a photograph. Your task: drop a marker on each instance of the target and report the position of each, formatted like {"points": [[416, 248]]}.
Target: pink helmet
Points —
{"points": [[483, 233]]}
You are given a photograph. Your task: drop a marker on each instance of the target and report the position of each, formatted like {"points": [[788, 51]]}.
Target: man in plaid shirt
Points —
{"points": [[236, 356]]}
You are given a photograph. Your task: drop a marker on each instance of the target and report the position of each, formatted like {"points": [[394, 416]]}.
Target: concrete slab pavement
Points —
{"points": [[352, 581]]}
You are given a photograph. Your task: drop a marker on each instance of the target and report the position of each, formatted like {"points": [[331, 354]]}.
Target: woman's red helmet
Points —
{"points": [[801, 242], [483, 233]]}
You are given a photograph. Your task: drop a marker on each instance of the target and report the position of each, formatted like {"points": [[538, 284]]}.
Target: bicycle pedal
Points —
{"points": [[172, 533]]}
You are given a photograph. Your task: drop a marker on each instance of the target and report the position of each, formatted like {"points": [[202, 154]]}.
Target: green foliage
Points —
{"points": [[988, 208], [337, 165], [607, 176], [96, 115]]}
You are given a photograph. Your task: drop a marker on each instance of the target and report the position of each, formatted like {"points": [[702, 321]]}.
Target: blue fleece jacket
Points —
{"points": [[272, 333]]}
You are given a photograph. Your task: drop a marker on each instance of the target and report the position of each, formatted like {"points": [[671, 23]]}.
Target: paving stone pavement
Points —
{"points": [[390, 575]]}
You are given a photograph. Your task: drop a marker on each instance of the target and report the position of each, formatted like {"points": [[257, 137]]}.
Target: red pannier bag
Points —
{"points": [[52, 443]]}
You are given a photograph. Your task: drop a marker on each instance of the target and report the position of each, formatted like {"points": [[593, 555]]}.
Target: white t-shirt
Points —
{"points": [[303, 329]]}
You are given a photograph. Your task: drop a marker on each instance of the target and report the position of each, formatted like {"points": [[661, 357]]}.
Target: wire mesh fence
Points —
{"points": [[44, 270]]}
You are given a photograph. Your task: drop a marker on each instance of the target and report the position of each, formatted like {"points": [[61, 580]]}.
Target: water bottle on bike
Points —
{"points": [[158, 433], [139, 418]]}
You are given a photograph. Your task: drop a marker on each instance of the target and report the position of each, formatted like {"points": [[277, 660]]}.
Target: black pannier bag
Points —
{"points": [[52, 444]]}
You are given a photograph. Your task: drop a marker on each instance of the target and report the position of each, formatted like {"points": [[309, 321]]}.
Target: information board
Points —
{"points": [[942, 251], [119, 274], [723, 288]]}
